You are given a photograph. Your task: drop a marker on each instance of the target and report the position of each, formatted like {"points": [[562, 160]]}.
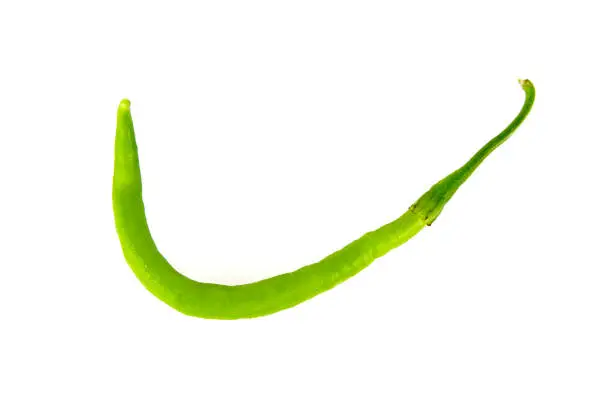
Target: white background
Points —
{"points": [[274, 132]]}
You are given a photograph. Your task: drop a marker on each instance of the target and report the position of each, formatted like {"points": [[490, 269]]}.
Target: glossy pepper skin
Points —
{"points": [[214, 301]]}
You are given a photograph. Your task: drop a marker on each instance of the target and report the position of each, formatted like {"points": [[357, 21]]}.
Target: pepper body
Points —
{"points": [[215, 301]]}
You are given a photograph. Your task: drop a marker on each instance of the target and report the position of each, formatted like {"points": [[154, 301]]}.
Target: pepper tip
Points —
{"points": [[125, 104]]}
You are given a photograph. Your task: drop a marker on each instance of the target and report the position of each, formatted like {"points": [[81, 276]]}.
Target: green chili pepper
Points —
{"points": [[280, 292]]}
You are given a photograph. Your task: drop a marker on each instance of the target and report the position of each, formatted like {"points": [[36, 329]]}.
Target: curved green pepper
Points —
{"points": [[280, 292]]}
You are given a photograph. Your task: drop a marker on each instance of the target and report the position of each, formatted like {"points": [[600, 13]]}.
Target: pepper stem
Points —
{"points": [[430, 205]]}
